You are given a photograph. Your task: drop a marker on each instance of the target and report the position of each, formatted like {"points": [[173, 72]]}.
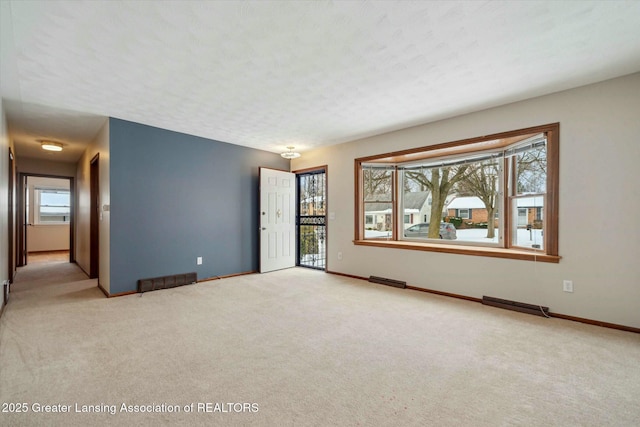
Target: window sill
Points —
{"points": [[462, 250]]}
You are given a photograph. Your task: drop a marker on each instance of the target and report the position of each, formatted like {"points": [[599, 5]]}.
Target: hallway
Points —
{"points": [[50, 275]]}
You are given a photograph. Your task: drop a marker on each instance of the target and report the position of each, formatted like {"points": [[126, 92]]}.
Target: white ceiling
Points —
{"points": [[269, 74]]}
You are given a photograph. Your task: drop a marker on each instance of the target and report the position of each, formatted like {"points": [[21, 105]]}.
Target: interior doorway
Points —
{"points": [[45, 220], [311, 221]]}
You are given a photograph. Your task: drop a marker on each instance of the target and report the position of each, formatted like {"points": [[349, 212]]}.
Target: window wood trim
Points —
{"points": [[553, 192], [487, 251], [551, 253]]}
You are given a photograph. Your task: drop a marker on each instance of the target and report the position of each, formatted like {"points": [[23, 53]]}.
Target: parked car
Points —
{"points": [[447, 231]]}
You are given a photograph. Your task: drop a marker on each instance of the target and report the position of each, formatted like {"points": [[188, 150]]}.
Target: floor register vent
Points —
{"points": [[388, 282], [166, 282], [516, 306]]}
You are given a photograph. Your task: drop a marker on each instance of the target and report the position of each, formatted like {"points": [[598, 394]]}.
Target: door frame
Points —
{"points": [[320, 169], [11, 265], [22, 222], [94, 217], [11, 208]]}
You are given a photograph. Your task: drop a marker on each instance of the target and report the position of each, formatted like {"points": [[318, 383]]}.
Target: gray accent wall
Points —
{"points": [[176, 197]]}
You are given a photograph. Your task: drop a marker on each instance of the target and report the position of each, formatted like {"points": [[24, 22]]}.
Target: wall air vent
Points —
{"points": [[516, 306], [166, 282], [388, 282]]}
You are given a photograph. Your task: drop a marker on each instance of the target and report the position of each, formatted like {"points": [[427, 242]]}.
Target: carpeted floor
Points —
{"points": [[300, 347]]}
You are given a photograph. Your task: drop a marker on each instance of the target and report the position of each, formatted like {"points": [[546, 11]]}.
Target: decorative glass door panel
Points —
{"points": [[311, 221]]}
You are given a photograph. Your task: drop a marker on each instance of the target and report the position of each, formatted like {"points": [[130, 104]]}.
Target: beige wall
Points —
{"points": [[46, 167], [42, 238], [100, 145], [599, 175], [5, 143]]}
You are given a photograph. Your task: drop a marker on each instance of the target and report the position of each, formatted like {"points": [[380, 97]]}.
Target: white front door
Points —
{"points": [[277, 220]]}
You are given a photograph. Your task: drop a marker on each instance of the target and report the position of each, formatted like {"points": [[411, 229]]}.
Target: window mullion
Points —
{"points": [[511, 211], [504, 220], [400, 202], [395, 210]]}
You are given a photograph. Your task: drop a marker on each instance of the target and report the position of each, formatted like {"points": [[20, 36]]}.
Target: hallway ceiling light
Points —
{"points": [[51, 146], [290, 154]]}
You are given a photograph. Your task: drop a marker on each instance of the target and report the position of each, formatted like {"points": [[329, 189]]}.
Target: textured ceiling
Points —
{"points": [[270, 74]]}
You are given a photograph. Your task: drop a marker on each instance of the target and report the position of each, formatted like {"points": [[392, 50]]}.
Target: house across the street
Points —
{"points": [[472, 210]]}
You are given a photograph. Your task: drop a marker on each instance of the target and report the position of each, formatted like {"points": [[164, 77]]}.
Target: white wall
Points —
{"points": [[599, 239], [99, 145]]}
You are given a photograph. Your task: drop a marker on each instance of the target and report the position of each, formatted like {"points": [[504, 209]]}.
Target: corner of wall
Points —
{"points": [[99, 145]]}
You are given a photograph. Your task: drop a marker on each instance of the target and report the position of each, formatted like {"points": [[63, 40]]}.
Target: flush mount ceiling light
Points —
{"points": [[290, 154], [51, 146]]}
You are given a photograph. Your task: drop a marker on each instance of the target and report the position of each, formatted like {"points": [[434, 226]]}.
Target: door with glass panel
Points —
{"points": [[311, 220]]}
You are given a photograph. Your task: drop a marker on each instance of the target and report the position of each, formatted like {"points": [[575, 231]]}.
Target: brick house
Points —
{"points": [[472, 210]]}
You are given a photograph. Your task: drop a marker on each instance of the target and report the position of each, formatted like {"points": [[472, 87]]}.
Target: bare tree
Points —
{"points": [[482, 181], [377, 184], [439, 181], [532, 171]]}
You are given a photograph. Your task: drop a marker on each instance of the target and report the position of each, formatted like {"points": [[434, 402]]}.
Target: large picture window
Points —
{"points": [[495, 196]]}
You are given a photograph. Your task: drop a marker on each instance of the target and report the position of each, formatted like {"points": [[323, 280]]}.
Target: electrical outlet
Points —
{"points": [[339, 255], [199, 260], [567, 285]]}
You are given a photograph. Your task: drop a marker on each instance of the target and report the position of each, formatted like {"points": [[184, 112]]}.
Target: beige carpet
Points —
{"points": [[303, 348]]}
